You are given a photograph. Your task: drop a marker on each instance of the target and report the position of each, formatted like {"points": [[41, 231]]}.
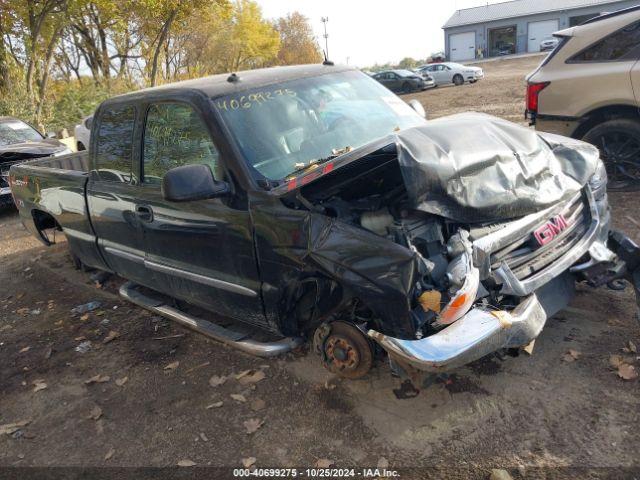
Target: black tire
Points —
{"points": [[81, 146], [406, 87], [619, 144], [458, 80]]}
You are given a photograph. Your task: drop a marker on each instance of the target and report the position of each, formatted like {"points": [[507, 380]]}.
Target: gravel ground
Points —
{"points": [[151, 402]]}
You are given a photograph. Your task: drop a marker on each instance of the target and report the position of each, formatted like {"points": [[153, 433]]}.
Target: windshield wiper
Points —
{"points": [[335, 153]]}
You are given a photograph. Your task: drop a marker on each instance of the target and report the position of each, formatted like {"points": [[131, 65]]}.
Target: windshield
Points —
{"points": [[286, 127], [15, 131], [405, 73]]}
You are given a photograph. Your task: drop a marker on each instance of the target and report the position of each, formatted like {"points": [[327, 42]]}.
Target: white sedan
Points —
{"points": [[82, 133], [450, 72]]}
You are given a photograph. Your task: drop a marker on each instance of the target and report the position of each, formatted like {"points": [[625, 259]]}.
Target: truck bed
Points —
{"points": [[73, 162], [50, 192]]}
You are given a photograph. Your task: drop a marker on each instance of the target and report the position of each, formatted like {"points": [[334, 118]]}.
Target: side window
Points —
{"points": [[113, 144], [621, 45], [174, 136]]}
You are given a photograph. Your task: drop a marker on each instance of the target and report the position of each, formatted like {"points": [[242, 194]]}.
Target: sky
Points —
{"points": [[364, 32]]}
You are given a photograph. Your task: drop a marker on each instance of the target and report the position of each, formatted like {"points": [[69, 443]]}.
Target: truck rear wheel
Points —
{"points": [[344, 349], [619, 144]]}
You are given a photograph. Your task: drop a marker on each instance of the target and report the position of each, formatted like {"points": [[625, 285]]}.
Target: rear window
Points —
{"points": [[623, 45], [114, 142]]}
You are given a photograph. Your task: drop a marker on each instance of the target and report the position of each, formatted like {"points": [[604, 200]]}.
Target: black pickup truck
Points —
{"points": [[314, 204]]}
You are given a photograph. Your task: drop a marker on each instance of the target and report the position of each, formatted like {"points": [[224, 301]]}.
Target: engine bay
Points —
{"points": [[371, 195]]}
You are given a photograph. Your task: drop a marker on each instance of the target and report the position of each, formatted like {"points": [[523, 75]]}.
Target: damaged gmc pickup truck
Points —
{"points": [[314, 204]]}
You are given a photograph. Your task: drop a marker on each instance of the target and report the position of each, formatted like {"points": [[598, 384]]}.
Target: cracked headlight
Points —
{"points": [[598, 181]]}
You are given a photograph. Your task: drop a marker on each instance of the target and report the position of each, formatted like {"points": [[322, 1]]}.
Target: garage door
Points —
{"points": [[462, 46], [538, 31]]}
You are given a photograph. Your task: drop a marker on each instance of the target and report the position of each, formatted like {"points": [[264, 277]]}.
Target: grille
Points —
{"points": [[525, 257]]}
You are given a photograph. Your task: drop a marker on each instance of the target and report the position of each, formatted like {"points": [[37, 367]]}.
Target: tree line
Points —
{"points": [[60, 58]]}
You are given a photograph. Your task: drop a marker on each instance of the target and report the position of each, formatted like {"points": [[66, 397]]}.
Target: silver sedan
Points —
{"points": [[450, 72]]}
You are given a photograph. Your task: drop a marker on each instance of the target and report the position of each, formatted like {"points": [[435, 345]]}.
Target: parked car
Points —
{"points": [[429, 82], [312, 203], [549, 44], [589, 88], [449, 72], [401, 81], [19, 142], [506, 49], [82, 133]]}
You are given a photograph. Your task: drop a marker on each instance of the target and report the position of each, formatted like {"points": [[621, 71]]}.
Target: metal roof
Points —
{"points": [[517, 8], [218, 85]]}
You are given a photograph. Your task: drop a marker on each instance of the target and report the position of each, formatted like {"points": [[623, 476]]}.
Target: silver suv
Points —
{"points": [[589, 88]]}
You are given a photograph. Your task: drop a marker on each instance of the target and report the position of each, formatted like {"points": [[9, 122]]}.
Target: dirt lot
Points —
{"points": [[529, 414]]}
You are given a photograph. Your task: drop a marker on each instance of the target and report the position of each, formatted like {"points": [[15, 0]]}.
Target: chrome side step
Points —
{"points": [[238, 340]]}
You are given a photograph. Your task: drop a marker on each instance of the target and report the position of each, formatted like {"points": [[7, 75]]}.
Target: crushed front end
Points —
{"points": [[522, 273], [478, 238]]}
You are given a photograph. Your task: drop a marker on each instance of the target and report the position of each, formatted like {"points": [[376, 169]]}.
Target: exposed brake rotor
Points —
{"points": [[344, 349]]}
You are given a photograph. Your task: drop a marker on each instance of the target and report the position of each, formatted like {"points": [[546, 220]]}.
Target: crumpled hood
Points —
{"points": [[39, 148], [474, 167]]}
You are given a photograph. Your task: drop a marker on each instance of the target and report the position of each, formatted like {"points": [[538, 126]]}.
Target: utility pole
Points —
{"points": [[324, 21]]}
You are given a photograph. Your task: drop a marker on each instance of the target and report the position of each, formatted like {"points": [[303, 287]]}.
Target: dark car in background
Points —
{"points": [[402, 81], [19, 142]]}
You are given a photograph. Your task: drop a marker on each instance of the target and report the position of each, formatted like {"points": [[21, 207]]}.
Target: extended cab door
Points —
{"points": [[200, 251], [112, 189]]}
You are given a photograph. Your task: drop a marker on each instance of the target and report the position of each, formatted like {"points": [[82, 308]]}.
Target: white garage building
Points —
{"points": [[517, 26]]}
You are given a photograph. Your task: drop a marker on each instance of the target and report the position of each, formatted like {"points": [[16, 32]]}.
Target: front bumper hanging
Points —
{"points": [[475, 335], [482, 331]]}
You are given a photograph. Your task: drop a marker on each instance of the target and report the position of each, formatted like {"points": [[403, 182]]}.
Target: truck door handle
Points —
{"points": [[144, 213]]}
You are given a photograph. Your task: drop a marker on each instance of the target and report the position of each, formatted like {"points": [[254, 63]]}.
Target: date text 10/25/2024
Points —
{"points": [[316, 472]]}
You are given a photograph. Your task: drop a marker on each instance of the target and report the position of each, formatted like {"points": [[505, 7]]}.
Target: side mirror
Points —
{"points": [[192, 182], [51, 135], [417, 106]]}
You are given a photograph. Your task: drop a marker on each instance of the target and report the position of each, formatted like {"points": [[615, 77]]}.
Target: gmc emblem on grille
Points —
{"points": [[550, 230]]}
